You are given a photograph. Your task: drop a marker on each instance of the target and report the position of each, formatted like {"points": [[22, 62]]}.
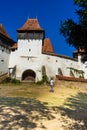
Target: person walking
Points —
{"points": [[51, 85]]}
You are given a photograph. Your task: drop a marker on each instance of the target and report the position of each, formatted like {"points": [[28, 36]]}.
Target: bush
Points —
{"points": [[10, 80], [6, 80], [40, 82], [15, 81], [44, 80]]}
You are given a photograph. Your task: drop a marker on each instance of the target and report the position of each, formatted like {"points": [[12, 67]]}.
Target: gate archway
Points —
{"points": [[29, 75]]}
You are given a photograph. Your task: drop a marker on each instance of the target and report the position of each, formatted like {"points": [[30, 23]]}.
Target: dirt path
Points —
{"points": [[31, 114]]}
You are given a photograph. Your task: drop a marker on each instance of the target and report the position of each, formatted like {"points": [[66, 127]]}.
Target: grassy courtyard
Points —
{"points": [[28, 106]]}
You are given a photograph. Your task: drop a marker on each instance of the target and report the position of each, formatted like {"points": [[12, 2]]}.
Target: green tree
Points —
{"points": [[76, 33]]}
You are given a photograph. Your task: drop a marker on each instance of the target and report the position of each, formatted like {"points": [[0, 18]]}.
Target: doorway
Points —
{"points": [[29, 75]]}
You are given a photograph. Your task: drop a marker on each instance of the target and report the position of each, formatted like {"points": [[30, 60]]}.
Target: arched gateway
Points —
{"points": [[29, 75]]}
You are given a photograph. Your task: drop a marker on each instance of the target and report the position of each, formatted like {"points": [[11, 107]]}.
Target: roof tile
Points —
{"points": [[31, 24], [47, 46]]}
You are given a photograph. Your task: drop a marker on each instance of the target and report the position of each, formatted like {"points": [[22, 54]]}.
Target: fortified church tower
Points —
{"points": [[28, 51], [30, 39]]}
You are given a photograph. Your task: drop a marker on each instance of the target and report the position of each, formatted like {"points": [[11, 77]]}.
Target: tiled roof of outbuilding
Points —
{"points": [[47, 46], [31, 25]]}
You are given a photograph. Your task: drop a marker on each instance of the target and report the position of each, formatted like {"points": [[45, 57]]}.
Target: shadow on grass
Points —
{"points": [[75, 108], [22, 113]]}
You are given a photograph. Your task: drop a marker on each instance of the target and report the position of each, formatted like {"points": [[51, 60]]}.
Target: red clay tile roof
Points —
{"points": [[31, 24], [47, 46], [3, 31]]}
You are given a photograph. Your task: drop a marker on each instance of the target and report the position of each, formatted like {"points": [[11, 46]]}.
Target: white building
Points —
{"points": [[33, 56], [5, 43]]}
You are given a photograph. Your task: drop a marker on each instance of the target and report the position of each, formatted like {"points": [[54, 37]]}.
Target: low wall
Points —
{"points": [[67, 78]]}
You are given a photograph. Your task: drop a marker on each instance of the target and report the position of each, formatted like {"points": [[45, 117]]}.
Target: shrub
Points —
{"points": [[10, 80], [44, 80], [6, 80], [40, 82], [15, 81]]}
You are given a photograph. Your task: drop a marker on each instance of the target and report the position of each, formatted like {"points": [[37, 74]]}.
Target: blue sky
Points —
{"points": [[14, 13]]}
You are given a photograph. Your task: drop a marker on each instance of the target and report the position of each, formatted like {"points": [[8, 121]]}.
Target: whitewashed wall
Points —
{"points": [[84, 67], [29, 47], [29, 56], [4, 60], [51, 63]]}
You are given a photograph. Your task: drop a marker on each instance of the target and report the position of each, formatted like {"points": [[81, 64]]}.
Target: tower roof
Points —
{"points": [[31, 25], [47, 46], [4, 32]]}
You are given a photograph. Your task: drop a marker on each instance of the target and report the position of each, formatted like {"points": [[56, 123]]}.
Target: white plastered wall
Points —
{"points": [[29, 56], [4, 60]]}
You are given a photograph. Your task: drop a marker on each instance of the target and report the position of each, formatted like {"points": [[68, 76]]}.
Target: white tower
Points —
{"points": [[30, 40]]}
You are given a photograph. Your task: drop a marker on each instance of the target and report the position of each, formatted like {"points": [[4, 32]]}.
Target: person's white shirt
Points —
{"points": [[51, 82]]}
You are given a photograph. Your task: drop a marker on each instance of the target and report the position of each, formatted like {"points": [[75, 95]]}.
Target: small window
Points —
{"points": [[29, 50], [2, 50], [60, 71], [2, 60]]}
